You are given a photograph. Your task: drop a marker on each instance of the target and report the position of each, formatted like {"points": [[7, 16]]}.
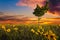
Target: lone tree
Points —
{"points": [[40, 11]]}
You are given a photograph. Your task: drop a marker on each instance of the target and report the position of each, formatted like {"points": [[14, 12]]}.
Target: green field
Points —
{"points": [[29, 32]]}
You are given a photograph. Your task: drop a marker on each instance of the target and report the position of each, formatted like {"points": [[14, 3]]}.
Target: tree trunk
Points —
{"points": [[38, 21]]}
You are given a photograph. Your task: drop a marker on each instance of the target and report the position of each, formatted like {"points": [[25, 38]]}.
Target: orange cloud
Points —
{"points": [[21, 19], [51, 20], [27, 20], [31, 3]]}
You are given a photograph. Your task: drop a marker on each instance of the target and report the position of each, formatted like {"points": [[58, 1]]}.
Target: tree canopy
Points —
{"points": [[39, 11]]}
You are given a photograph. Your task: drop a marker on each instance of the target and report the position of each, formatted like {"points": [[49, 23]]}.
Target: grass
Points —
{"points": [[29, 32]]}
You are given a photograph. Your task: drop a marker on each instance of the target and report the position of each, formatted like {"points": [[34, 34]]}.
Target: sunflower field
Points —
{"points": [[29, 32]]}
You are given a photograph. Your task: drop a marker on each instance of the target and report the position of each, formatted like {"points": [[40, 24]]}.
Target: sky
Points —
{"points": [[23, 9], [10, 7]]}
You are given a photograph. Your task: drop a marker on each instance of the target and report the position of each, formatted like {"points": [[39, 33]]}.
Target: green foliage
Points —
{"points": [[40, 11], [45, 8]]}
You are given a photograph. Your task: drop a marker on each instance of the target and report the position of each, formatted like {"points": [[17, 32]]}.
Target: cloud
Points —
{"points": [[26, 20], [5, 17], [13, 19], [31, 3], [54, 5], [1, 13]]}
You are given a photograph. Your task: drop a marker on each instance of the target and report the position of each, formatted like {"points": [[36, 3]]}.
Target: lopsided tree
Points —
{"points": [[40, 11]]}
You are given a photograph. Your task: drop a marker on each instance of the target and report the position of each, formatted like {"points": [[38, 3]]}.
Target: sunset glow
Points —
{"points": [[33, 21], [29, 19], [21, 12]]}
